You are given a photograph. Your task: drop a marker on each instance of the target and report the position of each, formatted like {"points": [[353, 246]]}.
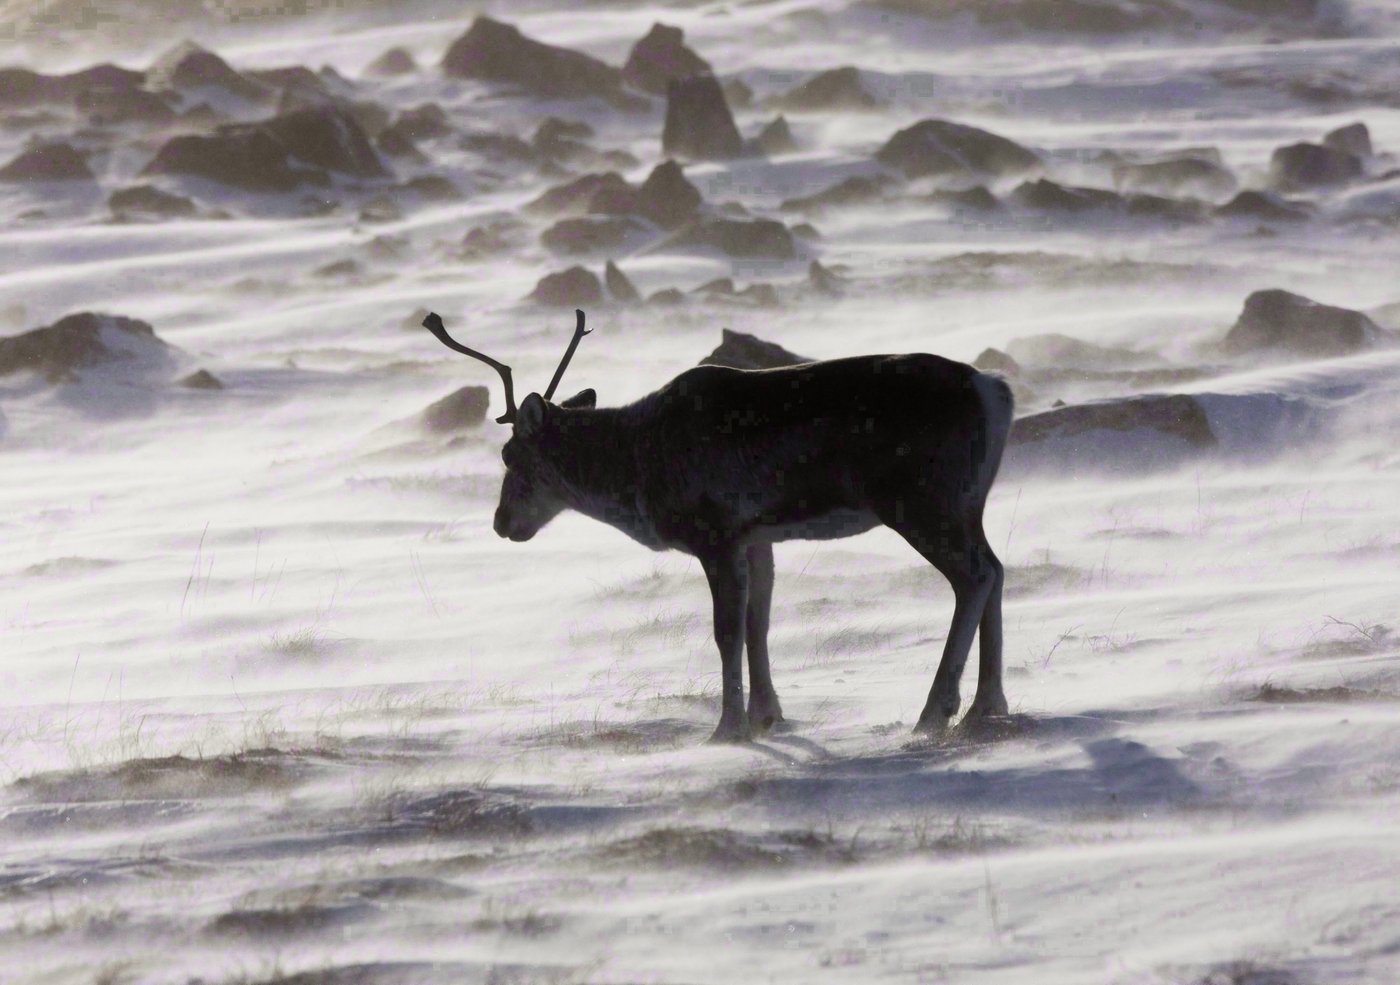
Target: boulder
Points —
{"points": [[22, 87], [619, 285], [822, 279], [834, 89], [738, 350], [1046, 195], [1264, 206], [1277, 321], [590, 234], [77, 342], [464, 408], [666, 297], [489, 240], [775, 138], [940, 147], [1353, 139], [280, 154], [976, 199], [698, 122], [722, 286], [1178, 176], [1175, 416], [395, 61], [666, 197], [577, 195], [112, 105], [1306, 165], [996, 361], [498, 52], [751, 239], [144, 202], [201, 379], [562, 140], [572, 288], [189, 68], [849, 191], [1053, 350], [660, 58], [47, 162]]}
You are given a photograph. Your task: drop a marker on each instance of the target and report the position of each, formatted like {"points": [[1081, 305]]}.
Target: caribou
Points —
{"points": [[722, 463]]}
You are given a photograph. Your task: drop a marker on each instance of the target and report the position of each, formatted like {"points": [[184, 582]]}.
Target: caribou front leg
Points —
{"points": [[764, 709], [727, 571]]}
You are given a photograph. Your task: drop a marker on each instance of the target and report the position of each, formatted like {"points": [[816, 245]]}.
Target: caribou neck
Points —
{"points": [[596, 461]]}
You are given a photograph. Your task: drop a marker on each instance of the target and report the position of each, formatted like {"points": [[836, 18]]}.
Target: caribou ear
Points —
{"points": [[530, 417], [584, 398]]}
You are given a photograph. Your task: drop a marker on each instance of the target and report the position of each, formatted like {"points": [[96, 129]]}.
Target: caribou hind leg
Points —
{"points": [[764, 709], [957, 547]]}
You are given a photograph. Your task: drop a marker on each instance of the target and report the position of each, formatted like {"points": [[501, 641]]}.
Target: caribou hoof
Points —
{"points": [[731, 733], [984, 708], [764, 714]]}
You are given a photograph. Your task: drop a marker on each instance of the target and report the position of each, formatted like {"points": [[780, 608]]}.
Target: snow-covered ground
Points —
{"points": [[278, 706]]}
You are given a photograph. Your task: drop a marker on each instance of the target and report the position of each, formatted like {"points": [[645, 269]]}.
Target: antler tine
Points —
{"points": [[579, 333], [433, 323]]}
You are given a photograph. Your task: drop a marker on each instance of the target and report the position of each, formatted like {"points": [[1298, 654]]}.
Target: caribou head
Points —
{"points": [[531, 493]]}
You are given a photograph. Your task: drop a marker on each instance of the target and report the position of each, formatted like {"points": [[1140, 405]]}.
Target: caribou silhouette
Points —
{"points": [[722, 463]]}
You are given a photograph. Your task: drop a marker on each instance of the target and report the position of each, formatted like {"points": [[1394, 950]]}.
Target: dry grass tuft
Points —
{"points": [[286, 921], [1270, 693], [724, 850], [1247, 973], [460, 814], [171, 776]]}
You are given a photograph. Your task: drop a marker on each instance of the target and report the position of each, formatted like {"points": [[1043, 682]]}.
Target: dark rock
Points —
{"points": [[339, 268], [395, 61], [940, 147], [111, 105], [850, 191], [501, 146], [738, 350], [498, 52], [434, 188], [576, 195], [490, 239], [666, 198], [1353, 139], [806, 230], [764, 238], [590, 234], [572, 288], [1312, 165], [188, 67], [22, 87], [396, 143], [1171, 415], [1065, 352], [464, 408], [77, 342], [148, 202], [562, 140], [298, 81], [47, 162], [996, 361], [737, 92], [1264, 206], [762, 295], [834, 89], [666, 297], [660, 58], [698, 122], [1277, 321], [280, 154], [719, 286], [1046, 194], [201, 379], [424, 122], [822, 279], [977, 198], [619, 285], [1186, 175], [776, 138]]}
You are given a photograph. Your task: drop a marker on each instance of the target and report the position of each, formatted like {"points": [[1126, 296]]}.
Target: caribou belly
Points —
{"points": [[832, 525]]}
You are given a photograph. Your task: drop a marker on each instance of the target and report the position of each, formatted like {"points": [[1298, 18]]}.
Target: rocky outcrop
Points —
{"points": [[1049, 196], [47, 162], [79, 342], [395, 61], [1278, 322], [590, 234], [20, 87], [1264, 206], [698, 122], [1178, 176], [834, 89], [740, 351], [1304, 165], [281, 154], [190, 69], [940, 147], [1175, 416], [1354, 139], [460, 409], [572, 288], [201, 379], [666, 197], [775, 138], [619, 285], [660, 58], [498, 52], [855, 190], [146, 202], [737, 238]]}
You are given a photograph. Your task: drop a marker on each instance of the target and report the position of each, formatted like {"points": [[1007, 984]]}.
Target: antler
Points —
{"points": [[579, 333], [433, 323]]}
